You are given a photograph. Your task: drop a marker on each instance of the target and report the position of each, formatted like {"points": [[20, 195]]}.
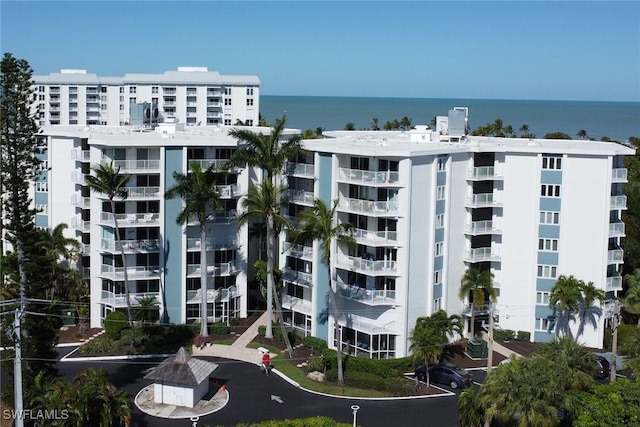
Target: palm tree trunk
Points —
{"points": [[336, 327], [124, 269], [473, 320], [270, 260], [203, 279], [285, 335]]}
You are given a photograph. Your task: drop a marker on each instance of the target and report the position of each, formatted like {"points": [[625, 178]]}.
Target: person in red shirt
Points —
{"points": [[266, 363]]}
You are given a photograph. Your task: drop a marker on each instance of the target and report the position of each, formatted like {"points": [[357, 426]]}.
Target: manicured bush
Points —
{"points": [[524, 335], [314, 343], [139, 336], [364, 380], [299, 422], [219, 328], [316, 363], [101, 344], [375, 367], [234, 321], [262, 330], [277, 334], [503, 334], [114, 323], [331, 375], [400, 386]]}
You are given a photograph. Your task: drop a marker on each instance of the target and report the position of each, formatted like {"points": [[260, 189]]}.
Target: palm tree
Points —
{"points": [[111, 183], [570, 352], [263, 201], [319, 223], [374, 124], [146, 310], [480, 285], [425, 342], [269, 153], [470, 412], [58, 250], [632, 296], [201, 198], [589, 312], [98, 401], [565, 299]]}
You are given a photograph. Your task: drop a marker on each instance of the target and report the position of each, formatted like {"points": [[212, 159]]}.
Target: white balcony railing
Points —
{"points": [[133, 273], [619, 175], [368, 206], [81, 202], [133, 165], [128, 219], [143, 192], [80, 225], [367, 296], [368, 177], [211, 244], [298, 251], [225, 191], [120, 300], [484, 173], [483, 227], [483, 200], [147, 245], [367, 265], [299, 277], [81, 155], [618, 202], [213, 295], [374, 237], [614, 283], [78, 178], [616, 229], [300, 196], [217, 270], [615, 256], [300, 169], [481, 254], [218, 164], [225, 217]]}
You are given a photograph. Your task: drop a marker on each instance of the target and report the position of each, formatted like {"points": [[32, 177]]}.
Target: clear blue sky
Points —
{"points": [[498, 50]]}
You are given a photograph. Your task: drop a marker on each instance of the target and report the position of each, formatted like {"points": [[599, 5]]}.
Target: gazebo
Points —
{"points": [[181, 380]]}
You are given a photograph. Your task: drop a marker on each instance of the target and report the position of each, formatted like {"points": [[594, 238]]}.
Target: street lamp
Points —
{"points": [[354, 408]]}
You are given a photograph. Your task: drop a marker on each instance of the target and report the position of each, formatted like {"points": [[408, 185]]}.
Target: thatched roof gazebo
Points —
{"points": [[181, 380]]}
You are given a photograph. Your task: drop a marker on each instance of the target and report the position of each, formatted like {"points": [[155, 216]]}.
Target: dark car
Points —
{"points": [[445, 373], [603, 368]]}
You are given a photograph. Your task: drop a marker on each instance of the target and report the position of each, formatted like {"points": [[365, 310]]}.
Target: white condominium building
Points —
{"points": [[192, 95]]}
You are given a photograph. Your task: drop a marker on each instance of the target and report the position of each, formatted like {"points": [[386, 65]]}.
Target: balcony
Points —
{"points": [[619, 175], [143, 192], [615, 256], [81, 202], [298, 251], [80, 225], [193, 244], [616, 229], [130, 219], [213, 295], [134, 165], [133, 273], [228, 191], [78, 177], [297, 277], [147, 245], [618, 202], [374, 238], [614, 283], [467, 308], [366, 296], [484, 173], [300, 169], [300, 196], [226, 217], [80, 155], [368, 177], [299, 305], [483, 200], [366, 265], [218, 164], [216, 270], [481, 254], [477, 228], [369, 207], [120, 300], [168, 103]]}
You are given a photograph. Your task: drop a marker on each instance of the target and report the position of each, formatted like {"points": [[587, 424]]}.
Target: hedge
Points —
{"points": [[397, 386], [300, 422], [114, 323]]}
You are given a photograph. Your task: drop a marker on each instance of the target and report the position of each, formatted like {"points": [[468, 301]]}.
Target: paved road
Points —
{"points": [[250, 399]]}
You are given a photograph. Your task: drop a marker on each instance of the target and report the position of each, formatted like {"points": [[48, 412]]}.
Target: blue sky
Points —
{"points": [[496, 50]]}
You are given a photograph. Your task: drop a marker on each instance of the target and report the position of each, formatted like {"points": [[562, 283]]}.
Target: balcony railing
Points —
{"points": [[299, 277], [369, 206], [484, 173], [80, 225], [367, 265], [368, 177], [125, 219], [483, 200], [133, 165], [618, 202], [296, 304], [213, 295], [218, 164], [367, 296], [483, 227], [468, 307], [616, 229], [81, 202], [298, 251], [481, 254], [147, 245], [300, 196], [143, 192], [225, 217], [135, 273], [619, 175], [211, 244], [226, 191], [374, 237], [81, 155], [78, 178], [300, 169], [120, 300], [615, 256], [217, 270], [614, 283]]}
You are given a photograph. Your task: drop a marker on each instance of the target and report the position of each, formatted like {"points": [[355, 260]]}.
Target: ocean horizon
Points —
{"points": [[617, 120]]}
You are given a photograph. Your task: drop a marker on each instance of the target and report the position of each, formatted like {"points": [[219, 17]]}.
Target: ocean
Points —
{"points": [[616, 120]]}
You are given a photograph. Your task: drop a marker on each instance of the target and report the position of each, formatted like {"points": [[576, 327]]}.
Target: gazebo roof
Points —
{"points": [[182, 369]]}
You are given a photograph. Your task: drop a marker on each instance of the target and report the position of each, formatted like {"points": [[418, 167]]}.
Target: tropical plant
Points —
{"points": [[320, 223], [197, 189], [146, 311], [269, 153], [349, 126], [470, 411], [111, 183], [569, 352], [478, 284], [58, 250], [616, 404], [631, 298], [631, 349]]}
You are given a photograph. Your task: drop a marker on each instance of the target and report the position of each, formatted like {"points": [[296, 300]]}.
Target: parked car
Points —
{"points": [[445, 373], [603, 369]]}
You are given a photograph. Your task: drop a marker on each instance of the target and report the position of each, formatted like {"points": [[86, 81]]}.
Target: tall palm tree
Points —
{"points": [[632, 296], [200, 197], [470, 412], [111, 183], [58, 250], [480, 285], [425, 342], [319, 223], [565, 299], [269, 153], [262, 201]]}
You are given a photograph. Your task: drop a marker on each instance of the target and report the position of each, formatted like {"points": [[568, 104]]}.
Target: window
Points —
{"points": [[439, 246], [549, 217], [442, 164], [437, 304], [227, 91], [103, 107], [542, 298], [437, 277], [439, 220], [121, 107], [542, 324], [548, 245], [440, 192], [249, 102], [227, 101], [249, 91], [103, 89], [121, 90], [41, 98], [360, 163], [547, 271], [42, 187], [551, 162], [550, 190], [40, 88], [42, 209], [133, 90], [227, 122], [103, 98], [249, 122], [132, 100], [154, 89]]}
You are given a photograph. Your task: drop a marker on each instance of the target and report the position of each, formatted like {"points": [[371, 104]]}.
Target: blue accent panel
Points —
{"points": [[548, 258], [550, 204], [173, 269], [41, 198], [43, 155], [437, 291], [442, 178], [439, 234], [539, 336], [438, 262], [549, 231], [545, 285], [42, 220], [543, 311], [440, 206], [551, 177], [324, 182]]}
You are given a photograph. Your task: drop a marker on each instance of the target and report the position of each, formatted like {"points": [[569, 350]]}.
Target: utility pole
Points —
{"points": [[614, 341], [490, 350], [17, 366]]}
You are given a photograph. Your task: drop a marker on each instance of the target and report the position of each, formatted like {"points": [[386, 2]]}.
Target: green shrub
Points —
{"points": [[331, 375], [364, 380], [262, 330], [524, 335], [316, 363], [315, 344], [298, 422], [219, 328], [625, 334], [101, 344], [114, 323], [139, 336], [376, 367], [400, 386], [234, 321], [330, 358], [503, 334], [277, 334]]}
